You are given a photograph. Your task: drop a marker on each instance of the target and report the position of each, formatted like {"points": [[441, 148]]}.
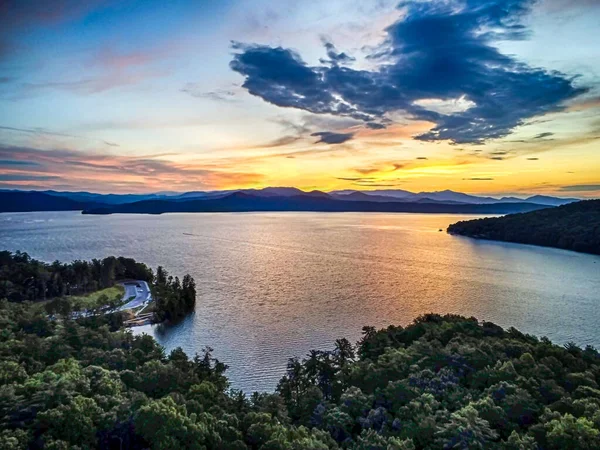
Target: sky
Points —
{"points": [[495, 97]]}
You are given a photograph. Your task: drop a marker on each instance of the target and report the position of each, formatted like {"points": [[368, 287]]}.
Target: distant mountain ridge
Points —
{"points": [[457, 197], [39, 201], [21, 201], [244, 202]]}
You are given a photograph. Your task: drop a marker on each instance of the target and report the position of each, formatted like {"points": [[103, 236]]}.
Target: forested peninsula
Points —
{"points": [[89, 287], [83, 381], [575, 226]]}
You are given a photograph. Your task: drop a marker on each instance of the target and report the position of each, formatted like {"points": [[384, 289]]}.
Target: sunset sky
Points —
{"points": [[479, 96]]}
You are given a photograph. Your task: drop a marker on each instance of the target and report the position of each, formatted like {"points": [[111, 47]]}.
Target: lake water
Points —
{"points": [[275, 285]]}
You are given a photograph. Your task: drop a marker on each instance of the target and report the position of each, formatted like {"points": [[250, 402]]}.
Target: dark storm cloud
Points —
{"points": [[329, 137], [437, 50]]}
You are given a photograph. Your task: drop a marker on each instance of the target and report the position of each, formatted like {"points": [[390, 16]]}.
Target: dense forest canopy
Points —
{"points": [[174, 298], [24, 278], [442, 382], [575, 226]]}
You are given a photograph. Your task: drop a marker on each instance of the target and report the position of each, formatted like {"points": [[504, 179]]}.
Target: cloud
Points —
{"points": [[478, 179], [106, 69], [580, 188], [335, 57], [220, 95], [373, 181], [356, 178], [438, 51], [329, 137], [584, 103], [543, 135], [560, 6], [364, 183], [70, 169], [280, 77], [533, 159], [103, 82], [497, 158], [110, 58], [14, 162], [366, 170], [42, 131], [36, 131], [375, 125], [421, 157], [26, 177], [281, 142]]}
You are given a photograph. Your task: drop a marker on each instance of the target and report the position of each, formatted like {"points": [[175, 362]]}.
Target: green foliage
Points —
{"points": [[444, 382], [23, 278], [76, 384], [570, 432], [451, 382], [89, 286], [575, 226], [174, 299], [95, 302]]}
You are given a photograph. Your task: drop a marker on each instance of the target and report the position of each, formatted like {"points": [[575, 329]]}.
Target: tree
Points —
{"points": [[465, 430], [167, 426], [570, 432]]}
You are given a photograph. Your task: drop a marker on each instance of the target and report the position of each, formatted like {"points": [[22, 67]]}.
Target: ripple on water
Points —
{"points": [[275, 285]]}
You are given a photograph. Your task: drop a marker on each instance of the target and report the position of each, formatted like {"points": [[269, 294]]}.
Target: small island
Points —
{"points": [[575, 226]]}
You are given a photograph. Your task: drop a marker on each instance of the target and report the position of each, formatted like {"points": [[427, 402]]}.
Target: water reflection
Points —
{"points": [[276, 285]]}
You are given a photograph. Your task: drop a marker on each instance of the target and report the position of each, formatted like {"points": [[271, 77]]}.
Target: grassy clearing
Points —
{"points": [[93, 300]]}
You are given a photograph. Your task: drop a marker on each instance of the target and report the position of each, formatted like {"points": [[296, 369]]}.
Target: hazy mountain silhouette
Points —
{"points": [[13, 200], [243, 202], [39, 201]]}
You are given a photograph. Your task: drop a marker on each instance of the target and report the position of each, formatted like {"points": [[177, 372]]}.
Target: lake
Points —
{"points": [[275, 285]]}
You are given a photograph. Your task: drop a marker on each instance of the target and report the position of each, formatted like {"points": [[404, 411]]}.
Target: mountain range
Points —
{"points": [[271, 199]]}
